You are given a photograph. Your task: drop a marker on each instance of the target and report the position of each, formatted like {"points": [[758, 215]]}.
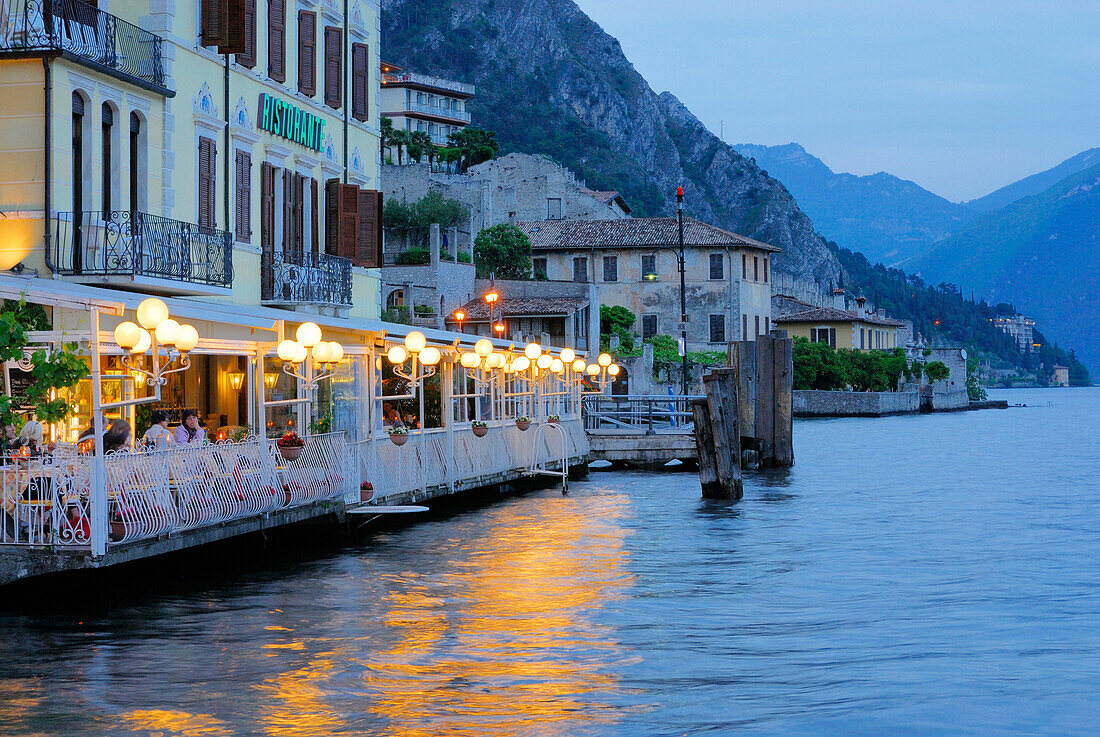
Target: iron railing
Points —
{"points": [[438, 111], [305, 278], [125, 243], [426, 80], [637, 412], [84, 33]]}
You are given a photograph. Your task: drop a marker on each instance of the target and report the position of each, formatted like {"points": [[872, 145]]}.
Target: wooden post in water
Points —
{"points": [[765, 398], [724, 443], [704, 443], [743, 361], [783, 385]]}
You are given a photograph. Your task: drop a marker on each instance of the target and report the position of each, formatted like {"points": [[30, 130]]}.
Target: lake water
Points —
{"points": [[917, 575]]}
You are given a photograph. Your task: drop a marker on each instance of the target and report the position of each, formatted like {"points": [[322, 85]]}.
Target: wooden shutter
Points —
{"points": [[276, 40], [207, 186], [267, 208], [299, 213], [314, 217], [243, 190], [349, 220], [359, 81], [288, 212], [334, 55], [332, 216], [234, 27], [247, 58], [307, 53], [214, 20], [368, 252]]}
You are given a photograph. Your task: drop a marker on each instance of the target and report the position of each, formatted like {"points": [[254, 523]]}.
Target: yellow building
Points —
{"points": [[857, 329]]}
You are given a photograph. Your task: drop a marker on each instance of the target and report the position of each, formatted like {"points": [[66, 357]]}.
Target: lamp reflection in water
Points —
{"points": [[504, 634]]}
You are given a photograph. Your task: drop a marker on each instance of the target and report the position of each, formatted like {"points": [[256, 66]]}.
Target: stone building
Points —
{"points": [[635, 262], [429, 291]]}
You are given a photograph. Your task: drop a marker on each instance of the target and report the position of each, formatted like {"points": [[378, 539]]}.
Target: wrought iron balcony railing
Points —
{"points": [[123, 243], [305, 278], [84, 33]]}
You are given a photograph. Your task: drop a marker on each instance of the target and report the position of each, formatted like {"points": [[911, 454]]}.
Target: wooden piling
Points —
{"points": [[743, 362], [704, 444], [765, 398], [720, 387], [783, 385]]}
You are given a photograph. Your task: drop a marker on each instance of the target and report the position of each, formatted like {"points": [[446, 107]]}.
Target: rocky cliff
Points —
{"points": [[551, 81]]}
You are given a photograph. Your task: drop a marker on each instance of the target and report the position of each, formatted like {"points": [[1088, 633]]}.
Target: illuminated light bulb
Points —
{"points": [[337, 351], [578, 365], [187, 338], [544, 361], [521, 364], [604, 360], [483, 347], [557, 366], [322, 352], [415, 341], [287, 350], [397, 355], [167, 332], [532, 351], [469, 360], [152, 312], [144, 342], [308, 334], [567, 355], [302, 352], [494, 360], [613, 369], [430, 356], [592, 369], [127, 335]]}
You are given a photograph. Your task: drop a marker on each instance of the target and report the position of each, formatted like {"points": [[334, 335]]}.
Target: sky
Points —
{"points": [[960, 96]]}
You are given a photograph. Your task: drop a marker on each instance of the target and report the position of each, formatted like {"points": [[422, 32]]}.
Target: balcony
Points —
{"points": [[136, 247], [436, 112], [305, 278], [412, 79], [84, 34]]}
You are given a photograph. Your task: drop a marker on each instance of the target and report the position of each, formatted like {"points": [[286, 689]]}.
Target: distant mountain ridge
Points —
{"points": [[1035, 183], [886, 218]]}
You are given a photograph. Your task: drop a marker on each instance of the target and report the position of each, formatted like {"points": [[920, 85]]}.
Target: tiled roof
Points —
{"points": [[831, 314], [630, 233], [607, 196], [478, 310]]}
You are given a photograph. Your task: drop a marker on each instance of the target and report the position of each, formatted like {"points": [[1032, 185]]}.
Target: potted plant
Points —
{"points": [[290, 446], [523, 423], [480, 428], [366, 491], [553, 419], [398, 435]]}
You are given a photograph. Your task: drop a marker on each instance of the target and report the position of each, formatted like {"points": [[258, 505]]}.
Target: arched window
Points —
{"points": [[396, 299], [78, 152], [108, 158]]}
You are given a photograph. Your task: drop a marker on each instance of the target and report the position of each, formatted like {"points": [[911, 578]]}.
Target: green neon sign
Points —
{"points": [[291, 122]]}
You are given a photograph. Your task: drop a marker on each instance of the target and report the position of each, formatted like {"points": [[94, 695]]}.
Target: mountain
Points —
{"points": [[1036, 183], [886, 218], [550, 81], [1042, 253]]}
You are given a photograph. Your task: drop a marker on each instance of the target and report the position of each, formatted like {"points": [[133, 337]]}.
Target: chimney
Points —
{"points": [[839, 301], [861, 309]]}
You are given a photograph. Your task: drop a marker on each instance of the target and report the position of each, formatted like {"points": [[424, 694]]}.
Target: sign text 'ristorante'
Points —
{"points": [[283, 119]]}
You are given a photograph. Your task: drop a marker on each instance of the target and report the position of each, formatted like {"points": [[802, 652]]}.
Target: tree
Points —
{"points": [[866, 370], [618, 321], [476, 145], [817, 366], [411, 221], [420, 143], [503, 250], [936, 371]]}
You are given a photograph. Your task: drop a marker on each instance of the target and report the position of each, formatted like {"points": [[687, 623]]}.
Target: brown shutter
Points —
{"points": [[276, 40], [234, 27], [214, 17], [314, 217], [334, 56], [207, 188], [332, 216], [349, 220], [247, 58], [244, 197], [267, 208], [307, 53], [288, 212], [369, 245], [299, 213], [359, 81]]}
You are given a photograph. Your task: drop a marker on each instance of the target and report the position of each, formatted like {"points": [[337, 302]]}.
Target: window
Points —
{"points": [[334, 66], [223, 25], [649, 326], [744, 267], [137, 177], [307, 53], [766, 269], [539, 267], [207, 181], [580, 269], [717, 328], [611, 268], [767, 325], [756, 268], [276, 40], [823, 335], [267, 209], [758, 324], [293, 215], [862, 338], [744, 324], [396, 299], [108, 159], [360, 65], [247, 58], [242, 188], [78, 153], [649, 267], [716, 266], [553, 208]]}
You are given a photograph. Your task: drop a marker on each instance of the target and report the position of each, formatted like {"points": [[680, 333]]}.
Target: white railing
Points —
{"points": [[398, 78], [46, 500]]}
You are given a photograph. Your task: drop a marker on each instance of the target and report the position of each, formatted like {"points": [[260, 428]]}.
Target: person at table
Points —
{"points": [[31, 437], [190, 431], [115, 437], [158, 435], [390, 416]]}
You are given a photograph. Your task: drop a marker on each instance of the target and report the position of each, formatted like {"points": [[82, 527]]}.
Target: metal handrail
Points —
{"points": [[305, 277], [637, 411], [428, 81], [83, 32]]}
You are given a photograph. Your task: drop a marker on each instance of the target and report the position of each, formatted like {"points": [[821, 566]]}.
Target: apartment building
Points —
{"points": [[421, 102]]}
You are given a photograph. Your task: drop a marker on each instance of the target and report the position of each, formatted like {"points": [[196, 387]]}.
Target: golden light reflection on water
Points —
{"points": [[515, 650], [168, 723], [297, 707]]}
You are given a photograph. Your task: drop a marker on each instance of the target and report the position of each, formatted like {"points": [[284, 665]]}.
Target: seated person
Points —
{"points": [[190, 431], [390, 416], [158, 434], [115, 437], [31, 437]]}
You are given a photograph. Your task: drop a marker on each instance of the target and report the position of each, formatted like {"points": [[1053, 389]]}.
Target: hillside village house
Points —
{"points": [[420, 102], [857, 328], [727, 275]]}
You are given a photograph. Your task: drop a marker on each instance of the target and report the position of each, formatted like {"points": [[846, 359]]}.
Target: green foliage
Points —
{"points": [[423, 310], [817, 366], [503, 250], [413, 221], [463, 257], [30, 316], [974, 390], [618, 321], [413, 257], [666, 351], [420, 145], [936, 371], [60, 369], [399, 315], [322, 425], [475, 146], [866, 370]]}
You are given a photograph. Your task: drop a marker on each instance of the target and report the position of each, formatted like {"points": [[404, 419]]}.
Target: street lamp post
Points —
{"points": [[683, 294]]}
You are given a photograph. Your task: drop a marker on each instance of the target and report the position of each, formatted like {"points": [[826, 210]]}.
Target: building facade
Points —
{"points": [[857, 329], [1022, 330], [421, 102], [635, 263]]}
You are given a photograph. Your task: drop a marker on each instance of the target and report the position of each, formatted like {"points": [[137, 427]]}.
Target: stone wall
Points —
{"points": [[814, 403], [442, 285]]}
